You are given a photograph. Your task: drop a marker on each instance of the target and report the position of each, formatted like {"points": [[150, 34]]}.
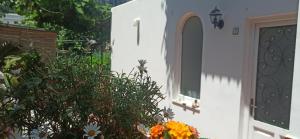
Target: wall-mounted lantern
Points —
{"points": [[216, 18]]}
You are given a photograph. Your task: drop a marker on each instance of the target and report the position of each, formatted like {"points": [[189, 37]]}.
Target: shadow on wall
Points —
{"points": [[222, 60], [219, 62]]}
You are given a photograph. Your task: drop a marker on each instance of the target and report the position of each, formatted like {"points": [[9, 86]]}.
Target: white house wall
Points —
{"points": [[295, 115], [222, 60]]}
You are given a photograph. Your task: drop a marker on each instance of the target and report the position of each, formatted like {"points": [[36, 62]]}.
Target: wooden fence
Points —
{"points": [[43, 41]]}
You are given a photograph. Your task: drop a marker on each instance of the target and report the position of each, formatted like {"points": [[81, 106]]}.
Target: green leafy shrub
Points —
{"points": [[17, 101], [135, 100], [8, 48], [74, 90]]}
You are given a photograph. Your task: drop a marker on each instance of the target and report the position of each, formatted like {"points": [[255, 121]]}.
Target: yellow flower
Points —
{"points": [[178, 130], [175, 130]]}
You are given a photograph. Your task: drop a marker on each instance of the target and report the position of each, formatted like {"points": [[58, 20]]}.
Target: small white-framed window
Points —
{"points": [[191, 58]]}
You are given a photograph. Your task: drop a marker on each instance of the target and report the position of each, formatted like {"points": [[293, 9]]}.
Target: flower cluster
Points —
{"points": [[173, 130], [157, 131]]}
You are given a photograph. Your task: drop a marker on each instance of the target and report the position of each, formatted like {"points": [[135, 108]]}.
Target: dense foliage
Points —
{"points": [[72, 91], [75, 21], [135, 100], [6, 49], [4, 8], [75, 88]]}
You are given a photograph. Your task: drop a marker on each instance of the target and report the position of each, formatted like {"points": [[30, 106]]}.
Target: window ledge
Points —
{"points": [[186, 106]]}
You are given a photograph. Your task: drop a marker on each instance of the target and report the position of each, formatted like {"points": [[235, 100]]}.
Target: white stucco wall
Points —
{"points": [[295, 115], [222, 61]]}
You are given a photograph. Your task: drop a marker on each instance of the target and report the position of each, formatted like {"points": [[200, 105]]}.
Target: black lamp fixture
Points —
{"points": [[216, 18]]}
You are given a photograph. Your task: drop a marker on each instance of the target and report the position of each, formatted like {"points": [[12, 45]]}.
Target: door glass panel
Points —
{"points": [[274, 79]]}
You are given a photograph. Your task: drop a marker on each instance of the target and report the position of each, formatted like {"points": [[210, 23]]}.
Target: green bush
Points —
{"points": [[74, 90], [135, 100]]}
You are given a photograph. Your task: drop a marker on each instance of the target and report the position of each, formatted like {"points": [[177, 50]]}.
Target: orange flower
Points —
{"points": [[157, 131], [194, 131]]}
